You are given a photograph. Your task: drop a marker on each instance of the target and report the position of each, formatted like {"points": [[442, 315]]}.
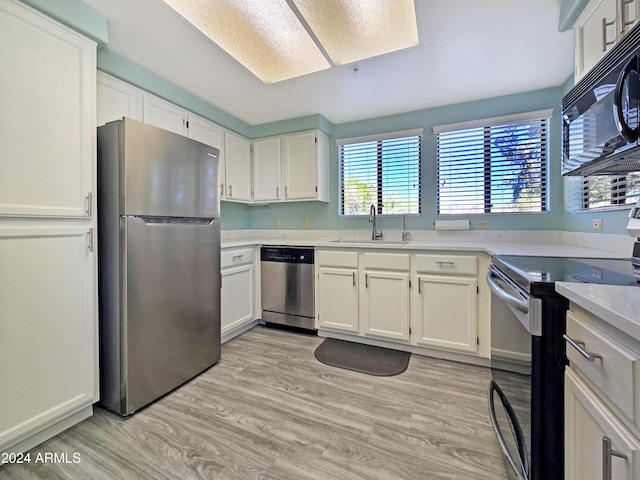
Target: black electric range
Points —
{"points": [[526, 393]]}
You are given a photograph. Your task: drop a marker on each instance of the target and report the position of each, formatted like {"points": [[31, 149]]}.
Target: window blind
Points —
{"points": [[602, 192], [493, 167], [383, 171]]}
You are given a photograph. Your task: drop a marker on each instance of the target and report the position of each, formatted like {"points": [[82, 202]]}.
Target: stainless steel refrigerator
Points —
{"points": [[159, 262]]}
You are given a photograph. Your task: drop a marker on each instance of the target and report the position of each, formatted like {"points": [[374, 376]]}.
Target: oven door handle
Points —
{"points": [[521, 468], [504, 296]]}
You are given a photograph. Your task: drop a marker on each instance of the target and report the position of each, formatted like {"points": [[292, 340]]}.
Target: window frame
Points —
{"points": [[379, 200], [486, 124]]}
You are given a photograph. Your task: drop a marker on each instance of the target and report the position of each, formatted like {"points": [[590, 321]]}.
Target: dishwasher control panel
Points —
{"points": [[287, 254]]}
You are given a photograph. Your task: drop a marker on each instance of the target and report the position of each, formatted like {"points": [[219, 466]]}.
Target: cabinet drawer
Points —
{"points": [[615, 374], [337, 258], [451, 264], [387, 261], [236, 256]]}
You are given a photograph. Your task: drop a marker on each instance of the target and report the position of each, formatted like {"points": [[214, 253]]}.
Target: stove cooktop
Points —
{"points": [[540, 273]]}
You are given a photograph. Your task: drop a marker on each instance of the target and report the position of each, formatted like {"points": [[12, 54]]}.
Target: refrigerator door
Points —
{"points": [[171, 307], [167, 175]]}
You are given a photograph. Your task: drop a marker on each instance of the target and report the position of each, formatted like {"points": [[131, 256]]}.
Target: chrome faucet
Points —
{"points": [[375, 234], [405, 235]]}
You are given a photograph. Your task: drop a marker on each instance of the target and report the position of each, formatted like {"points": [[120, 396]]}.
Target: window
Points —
{"points": [[381, 170], [602, 192], [496, 165]]}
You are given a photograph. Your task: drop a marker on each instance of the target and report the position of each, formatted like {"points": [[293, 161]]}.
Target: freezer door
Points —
{"points": [[165, 174], [171, 314]]}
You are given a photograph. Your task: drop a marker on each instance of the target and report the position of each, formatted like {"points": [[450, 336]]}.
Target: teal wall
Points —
{"points": [[325, 215]]}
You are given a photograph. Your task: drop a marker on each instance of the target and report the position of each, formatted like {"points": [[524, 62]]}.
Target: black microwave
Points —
{"points": [[600, 114]]}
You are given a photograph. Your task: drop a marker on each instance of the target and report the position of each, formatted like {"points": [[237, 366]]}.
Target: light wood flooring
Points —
{"points": [[269, 410]]}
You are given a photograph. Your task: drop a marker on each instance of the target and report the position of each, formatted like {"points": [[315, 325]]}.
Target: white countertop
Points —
{"points": [[488, 246], [619, 306]]}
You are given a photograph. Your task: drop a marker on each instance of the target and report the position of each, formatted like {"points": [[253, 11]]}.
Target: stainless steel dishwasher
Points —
{"points": [[287, 286]]}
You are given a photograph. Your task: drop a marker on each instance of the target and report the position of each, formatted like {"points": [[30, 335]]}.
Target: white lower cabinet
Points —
{"points": [[447, 312], [602, 400], [446, 302], [431, 303], [48, 346], [597, 444], [385, 296], [237, 300], [385, 306], [338, 299], [337, 302]]}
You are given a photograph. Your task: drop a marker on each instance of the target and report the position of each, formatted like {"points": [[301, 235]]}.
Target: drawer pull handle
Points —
{"points": [[237, 257], [579, 346], [607, 453], [446, 263]]}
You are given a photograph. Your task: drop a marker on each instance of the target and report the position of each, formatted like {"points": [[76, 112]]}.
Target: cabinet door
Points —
{"points": [[209, 133], [447, 314], [238, 167], [237, 304], [300, 166], [48, 345], [48, 119], [386, 305], [338, 299], [165, 115], [589, 423], [117, 99], [266, 170], [592, 41]]}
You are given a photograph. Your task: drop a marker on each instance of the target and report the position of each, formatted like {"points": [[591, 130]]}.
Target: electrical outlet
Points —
{"points": [[596, 224], [305, 224], [276, 223], [482, 223]]}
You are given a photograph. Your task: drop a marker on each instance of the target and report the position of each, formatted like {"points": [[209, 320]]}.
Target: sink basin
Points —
{"points": [[373, 242]]}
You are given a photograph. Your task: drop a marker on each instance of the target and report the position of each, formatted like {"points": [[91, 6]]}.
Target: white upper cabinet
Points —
{"points": [[47, 125], [306, 166], [267, 185], [291, 167], [600, 26], [117, 99], [209, 133], [165, 115], [237, 167]]}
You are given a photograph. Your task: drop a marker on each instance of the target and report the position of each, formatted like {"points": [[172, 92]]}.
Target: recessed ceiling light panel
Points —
{"points": [[272, 42], [352, 30]]}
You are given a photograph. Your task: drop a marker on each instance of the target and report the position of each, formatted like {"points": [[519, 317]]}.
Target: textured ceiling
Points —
{"points": [[469, 49]]}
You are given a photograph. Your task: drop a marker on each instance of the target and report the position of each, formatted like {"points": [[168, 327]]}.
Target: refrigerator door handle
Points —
{"points": [[176, 221]]}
